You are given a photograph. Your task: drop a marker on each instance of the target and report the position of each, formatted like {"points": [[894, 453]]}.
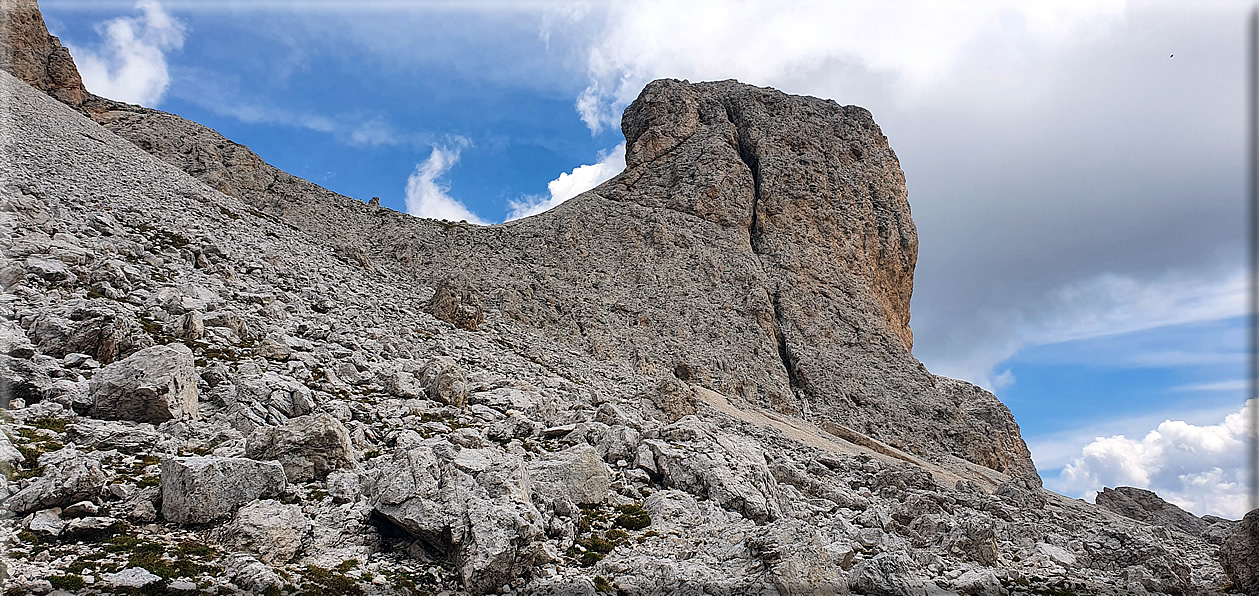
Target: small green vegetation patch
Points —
{"points": [[66, 582], [328, 582], [632, 517], [49, 423]]}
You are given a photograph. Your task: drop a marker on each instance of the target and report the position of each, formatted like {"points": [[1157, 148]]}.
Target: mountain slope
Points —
{"points": [[695, 378]]}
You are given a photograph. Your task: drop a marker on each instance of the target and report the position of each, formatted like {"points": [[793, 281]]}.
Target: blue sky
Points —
{"points": [[1078, 191]]}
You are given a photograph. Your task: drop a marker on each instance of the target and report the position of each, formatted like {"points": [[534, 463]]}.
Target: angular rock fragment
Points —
{"points": [[307, 446], [577, 474], [270, 530], [199, 490], [69, 476], [153, 385], [730, 470], [473, 505], [444, 381]]}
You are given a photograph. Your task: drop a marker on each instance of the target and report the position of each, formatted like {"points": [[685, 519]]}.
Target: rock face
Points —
{"points": [[1240, 554], [153, 385], [36, 57], [198, 490], [308, 446]]}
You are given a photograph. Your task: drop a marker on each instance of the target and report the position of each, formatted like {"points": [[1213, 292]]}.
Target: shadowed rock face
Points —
{"points": [[758, 243]]}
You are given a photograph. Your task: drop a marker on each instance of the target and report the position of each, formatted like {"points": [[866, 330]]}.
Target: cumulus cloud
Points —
{"points": [[571, 184], [914, 43], [129, 64], [1201, 468], [427, 191]]}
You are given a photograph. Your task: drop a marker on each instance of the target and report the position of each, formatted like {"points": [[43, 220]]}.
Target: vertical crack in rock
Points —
{"points": [[754, 240]]}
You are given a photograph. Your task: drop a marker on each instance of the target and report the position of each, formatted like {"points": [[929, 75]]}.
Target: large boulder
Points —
{"points": [[69, 476], [153, 385], [474, 505], [577, 474], [693, 456], [444, 381], [307, 446], [270, 530], [1239, 555], [199, 490]]}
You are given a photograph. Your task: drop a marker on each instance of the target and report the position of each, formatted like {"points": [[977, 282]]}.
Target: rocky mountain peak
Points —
{"points": [[826, 188]]}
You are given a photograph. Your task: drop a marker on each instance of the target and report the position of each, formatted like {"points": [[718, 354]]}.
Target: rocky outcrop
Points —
{"points": [[801, 301], [36, 57], [153, 385], [1240, 554], [1144, 505]]}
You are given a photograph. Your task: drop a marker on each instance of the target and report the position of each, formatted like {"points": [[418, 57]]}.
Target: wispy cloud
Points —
{"points": [[129, 63], [427, 193], [1109, 305], [221, 94], [571, 184], [1233, 385], [1200, 467]]}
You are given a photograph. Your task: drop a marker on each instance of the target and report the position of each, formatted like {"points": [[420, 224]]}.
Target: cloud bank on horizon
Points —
{"points": [[1201, 468]]}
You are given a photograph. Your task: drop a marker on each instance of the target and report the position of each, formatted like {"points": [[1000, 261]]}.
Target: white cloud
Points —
{"points": [[222, 95], [426, 193], [1233, 385], [130, 63], [1201, 468], [915, 44], [1106, 305], [571, 184]]}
